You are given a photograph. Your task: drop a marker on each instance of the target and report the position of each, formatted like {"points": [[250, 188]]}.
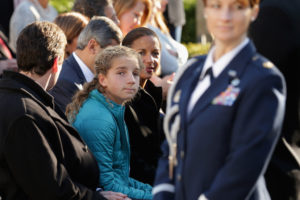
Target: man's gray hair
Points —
{"points": [[102, 29]]}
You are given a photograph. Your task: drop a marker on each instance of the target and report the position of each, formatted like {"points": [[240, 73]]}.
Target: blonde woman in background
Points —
{"points": [[173, 54], [132, 13], [72, 23]]}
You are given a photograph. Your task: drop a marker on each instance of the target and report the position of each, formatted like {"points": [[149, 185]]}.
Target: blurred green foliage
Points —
{"points": [[62, 5], [196, 49], [189, 29]]}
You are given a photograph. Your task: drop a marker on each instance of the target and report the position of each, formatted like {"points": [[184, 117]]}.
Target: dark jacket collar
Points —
{"points": [[70, 66], [20, 83]]}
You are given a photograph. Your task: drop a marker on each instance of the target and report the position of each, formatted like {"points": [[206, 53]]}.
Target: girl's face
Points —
{"points": [[149, 49], [132, 18], [121, 82], [228, 20]]}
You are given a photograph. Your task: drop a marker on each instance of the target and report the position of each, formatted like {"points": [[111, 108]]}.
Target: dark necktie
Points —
{"points": [[209, 73]]}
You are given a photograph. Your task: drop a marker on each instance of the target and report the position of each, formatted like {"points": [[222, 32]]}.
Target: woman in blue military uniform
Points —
{"points": [[224, 114]]}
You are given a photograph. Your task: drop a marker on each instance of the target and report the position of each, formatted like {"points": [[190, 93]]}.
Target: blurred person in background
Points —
{"points": [[132, 13], [175, 17], [173, 54], [29, 11], [72, 23], [91, 8]]}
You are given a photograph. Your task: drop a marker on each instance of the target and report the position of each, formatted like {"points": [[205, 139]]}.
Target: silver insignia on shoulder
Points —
{"points": [[268, 64]]}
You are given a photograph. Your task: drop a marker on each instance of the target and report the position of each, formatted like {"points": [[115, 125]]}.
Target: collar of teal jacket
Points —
{"points": [[117, 109]]}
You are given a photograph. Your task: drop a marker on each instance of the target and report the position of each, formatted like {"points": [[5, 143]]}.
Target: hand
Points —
{"points": [[114, 195], [164, 82], [8, 64]]}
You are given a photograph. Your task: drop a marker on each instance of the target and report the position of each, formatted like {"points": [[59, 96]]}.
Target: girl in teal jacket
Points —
{"points": [[97, 112]]}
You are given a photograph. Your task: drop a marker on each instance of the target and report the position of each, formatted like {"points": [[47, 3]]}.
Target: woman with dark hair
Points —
{"points": [[142, 114]]}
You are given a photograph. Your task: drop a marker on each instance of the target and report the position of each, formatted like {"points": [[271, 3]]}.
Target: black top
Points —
{"points": [[142, 117]]}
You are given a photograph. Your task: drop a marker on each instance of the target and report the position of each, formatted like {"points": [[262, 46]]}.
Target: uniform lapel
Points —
{"points": [[189, 83], [238, 64]]}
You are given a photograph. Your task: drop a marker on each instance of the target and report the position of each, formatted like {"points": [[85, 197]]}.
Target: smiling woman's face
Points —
{"points": [[149, 48]]}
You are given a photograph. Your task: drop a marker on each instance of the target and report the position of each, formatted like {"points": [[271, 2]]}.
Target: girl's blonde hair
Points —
{"points": [[122, 6], [102, 65]]}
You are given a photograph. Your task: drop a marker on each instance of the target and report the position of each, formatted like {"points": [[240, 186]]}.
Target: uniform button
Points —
{"points": [[178, 177], [182, 154]]}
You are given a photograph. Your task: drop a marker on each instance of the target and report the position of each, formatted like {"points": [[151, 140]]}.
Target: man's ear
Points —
{"points": [[55, 65], [92, 45]]}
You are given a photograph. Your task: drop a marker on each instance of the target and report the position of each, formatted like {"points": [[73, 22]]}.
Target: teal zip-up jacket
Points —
{"points": [[101, 124]]}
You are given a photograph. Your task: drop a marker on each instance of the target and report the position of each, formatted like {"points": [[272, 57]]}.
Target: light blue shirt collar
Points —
{"points": [[88, 74]]}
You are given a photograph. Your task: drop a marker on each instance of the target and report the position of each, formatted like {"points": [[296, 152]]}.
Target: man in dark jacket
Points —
{"points": [[276, 34], [41, 155]]}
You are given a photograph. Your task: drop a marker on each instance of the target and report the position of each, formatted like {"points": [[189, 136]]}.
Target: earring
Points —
{"points": [[252, 19]]}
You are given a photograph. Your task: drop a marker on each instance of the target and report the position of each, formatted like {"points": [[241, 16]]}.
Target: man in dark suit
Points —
{"points": [[79, 67], [276, 34]]}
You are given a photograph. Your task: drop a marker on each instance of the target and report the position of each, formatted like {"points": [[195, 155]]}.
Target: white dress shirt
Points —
{"points": [[88, 74], [217, 68]]}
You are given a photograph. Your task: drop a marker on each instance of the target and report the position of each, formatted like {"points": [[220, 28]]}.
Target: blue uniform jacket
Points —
{"points": [[225, 144]]}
